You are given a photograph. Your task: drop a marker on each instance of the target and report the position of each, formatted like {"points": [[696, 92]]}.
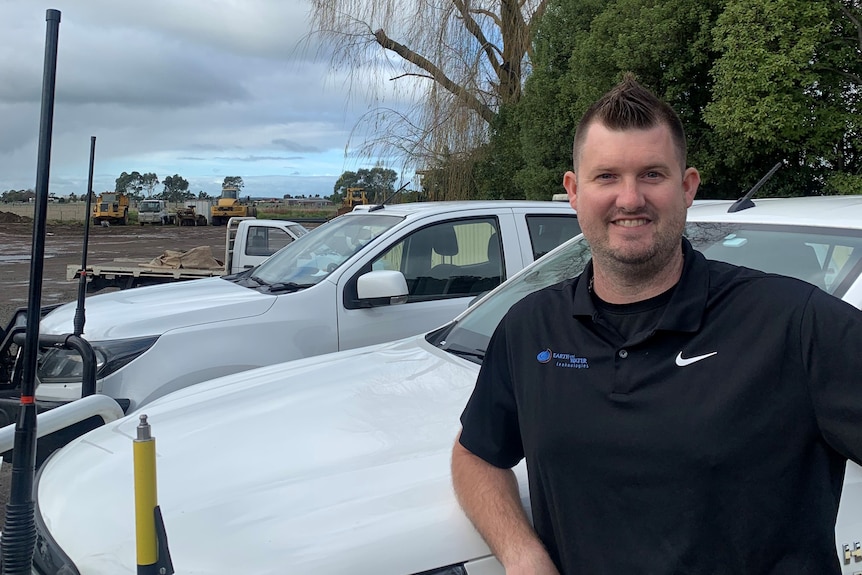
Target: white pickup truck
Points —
{"points": [[376, 274], [248, 242]]}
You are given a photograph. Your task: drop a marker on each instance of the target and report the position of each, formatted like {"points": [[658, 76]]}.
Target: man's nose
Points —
{"points": [[630, 195]]}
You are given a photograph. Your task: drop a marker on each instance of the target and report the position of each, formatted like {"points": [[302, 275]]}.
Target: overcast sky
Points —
{"points": [[203, 89]]}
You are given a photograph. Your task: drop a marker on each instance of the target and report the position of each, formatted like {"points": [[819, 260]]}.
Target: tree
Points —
{"points": [[10, 196], [202, 195], [378, 183], [583, 48], [148, 182], [787, 84], [129, 184], [175, 189], [460, 59], [754, 82], [234, 181]]}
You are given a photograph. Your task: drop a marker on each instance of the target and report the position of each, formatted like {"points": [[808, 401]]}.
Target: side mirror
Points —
{"points": [[382, 287]]}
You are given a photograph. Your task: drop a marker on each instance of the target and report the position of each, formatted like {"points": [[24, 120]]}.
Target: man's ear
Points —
{"points": [[690, 183], [570, 183]]}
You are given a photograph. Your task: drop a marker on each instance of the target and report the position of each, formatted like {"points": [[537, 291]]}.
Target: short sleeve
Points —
{"points": [[831, 339], [490, 420]]}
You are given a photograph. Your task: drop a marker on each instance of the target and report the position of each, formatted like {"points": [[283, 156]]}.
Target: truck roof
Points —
{"points": [[438, 207]]}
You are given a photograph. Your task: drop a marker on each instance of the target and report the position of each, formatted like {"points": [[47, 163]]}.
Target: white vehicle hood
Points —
{"points": [[158, 309], [322, 466]]}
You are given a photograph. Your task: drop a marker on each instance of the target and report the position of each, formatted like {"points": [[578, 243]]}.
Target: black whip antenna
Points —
{"points": [[80, 316], [745, 202], [19, 531]]}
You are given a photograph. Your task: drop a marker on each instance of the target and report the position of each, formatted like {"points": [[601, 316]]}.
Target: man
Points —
{"points": [[677, 415]]}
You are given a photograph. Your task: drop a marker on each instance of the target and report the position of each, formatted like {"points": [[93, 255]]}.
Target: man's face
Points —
{"points": [[631, 196]]}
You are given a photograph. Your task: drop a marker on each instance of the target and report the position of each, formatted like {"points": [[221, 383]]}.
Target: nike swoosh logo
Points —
{"points": [[684, 361]]}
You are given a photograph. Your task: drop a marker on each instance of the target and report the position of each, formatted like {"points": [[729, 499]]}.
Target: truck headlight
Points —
{"points": [[59, 365]]}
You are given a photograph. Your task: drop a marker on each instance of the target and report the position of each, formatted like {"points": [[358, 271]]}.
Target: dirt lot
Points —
{"points": [[63, 246]]}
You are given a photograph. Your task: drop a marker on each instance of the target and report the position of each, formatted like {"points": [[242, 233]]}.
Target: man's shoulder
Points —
{"points": [[764, 286], [548, 299]]}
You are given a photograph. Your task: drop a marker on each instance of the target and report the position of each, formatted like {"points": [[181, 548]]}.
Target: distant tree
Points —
{"points": [[202, 195], [148, 182], [235, 181], [17, 195], [129, 184], [73, 197], [175, 189]]}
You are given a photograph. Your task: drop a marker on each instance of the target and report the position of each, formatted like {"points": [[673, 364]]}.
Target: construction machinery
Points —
{"points": [[188, 216], [231, 206], [155, 212], [111, 208], [352, 197]]}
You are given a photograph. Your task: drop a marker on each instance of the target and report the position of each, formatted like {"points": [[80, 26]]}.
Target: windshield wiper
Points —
{"points": [[245, 280], [287, 287], [480, 355]]}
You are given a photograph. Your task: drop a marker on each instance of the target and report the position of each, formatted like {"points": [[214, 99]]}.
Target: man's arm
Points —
{"points": [[489, 496]]}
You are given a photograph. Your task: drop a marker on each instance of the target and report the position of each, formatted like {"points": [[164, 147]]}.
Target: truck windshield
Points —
{"points": [[149, 207], [309, 259], [469, 336]]}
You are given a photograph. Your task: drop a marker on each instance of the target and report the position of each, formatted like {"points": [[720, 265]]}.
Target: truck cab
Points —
{"points": [[249, 241], [154, 212]]}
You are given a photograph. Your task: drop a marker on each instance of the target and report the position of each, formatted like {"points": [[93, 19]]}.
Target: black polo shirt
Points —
{"points": [[715, 443]]}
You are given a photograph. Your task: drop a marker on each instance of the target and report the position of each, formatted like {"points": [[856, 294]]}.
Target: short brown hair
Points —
{"points": [[630, 106]]}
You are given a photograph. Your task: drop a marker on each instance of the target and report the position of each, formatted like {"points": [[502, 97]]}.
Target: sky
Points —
{"points": [[200, 88]]}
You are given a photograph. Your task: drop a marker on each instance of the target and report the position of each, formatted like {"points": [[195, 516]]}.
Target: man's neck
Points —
{"points": [[621, 287]]}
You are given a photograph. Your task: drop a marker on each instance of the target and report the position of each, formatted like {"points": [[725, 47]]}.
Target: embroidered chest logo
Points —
{"points": [[565, 360], [684, 361]]}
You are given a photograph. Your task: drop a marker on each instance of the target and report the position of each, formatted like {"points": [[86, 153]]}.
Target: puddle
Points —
{"points": [[17, 259]]}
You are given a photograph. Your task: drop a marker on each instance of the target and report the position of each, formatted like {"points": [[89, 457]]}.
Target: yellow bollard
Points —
{"points": [[151, 541]]}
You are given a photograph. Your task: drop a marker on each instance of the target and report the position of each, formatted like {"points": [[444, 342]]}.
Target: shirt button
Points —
{"points": [[623, 353]]}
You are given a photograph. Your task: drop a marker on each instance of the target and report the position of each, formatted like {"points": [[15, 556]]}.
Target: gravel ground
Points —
{"points": [[63, 246]]}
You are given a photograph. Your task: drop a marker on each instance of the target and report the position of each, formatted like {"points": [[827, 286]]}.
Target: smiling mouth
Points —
{"points": [[631, 223]]}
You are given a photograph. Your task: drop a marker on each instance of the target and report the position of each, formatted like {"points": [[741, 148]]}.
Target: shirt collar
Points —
{"points": [[684, 311]]}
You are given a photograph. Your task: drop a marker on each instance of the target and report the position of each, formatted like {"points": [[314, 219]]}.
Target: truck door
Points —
{"points": [[260, 243], [446, 264]]}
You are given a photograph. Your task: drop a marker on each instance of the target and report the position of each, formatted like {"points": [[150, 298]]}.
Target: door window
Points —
{"points": [[265, 241], [449, 259], [548, 232]]}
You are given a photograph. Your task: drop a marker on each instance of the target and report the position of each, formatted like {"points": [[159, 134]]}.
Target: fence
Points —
{"points": [[70, 212]]}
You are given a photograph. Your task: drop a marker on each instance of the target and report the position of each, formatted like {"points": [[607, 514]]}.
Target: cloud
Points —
{"points": [[260, 158], [203, 89], [294, 146]]}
